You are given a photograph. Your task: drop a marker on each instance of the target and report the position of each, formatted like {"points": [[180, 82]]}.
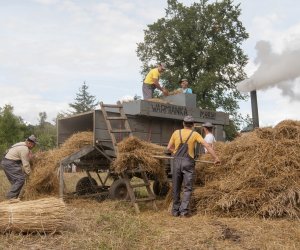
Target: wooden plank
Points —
{"points": [[61, 180], [84, 151], [120, 131], [116, 118]]}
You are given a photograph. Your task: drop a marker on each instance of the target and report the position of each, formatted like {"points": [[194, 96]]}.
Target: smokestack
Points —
{"points": [[254, 107]]}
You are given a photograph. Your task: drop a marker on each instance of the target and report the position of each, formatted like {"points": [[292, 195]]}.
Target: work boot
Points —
{"points": [[187, 215], [175, 214]]}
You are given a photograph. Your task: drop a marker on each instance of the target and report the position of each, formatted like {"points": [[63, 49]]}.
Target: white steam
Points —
{"points": [[275, 70]]}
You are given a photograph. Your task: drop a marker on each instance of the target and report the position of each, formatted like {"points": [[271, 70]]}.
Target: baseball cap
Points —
{"points": [[207, 125], [33, 139], [182, 80], [188, 118]]}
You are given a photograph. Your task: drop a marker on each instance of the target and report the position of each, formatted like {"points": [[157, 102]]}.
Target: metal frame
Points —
{"points": [[78, 155]]}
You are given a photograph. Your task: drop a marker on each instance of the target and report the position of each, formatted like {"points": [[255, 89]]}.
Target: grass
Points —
{"points": [[114, 225]]}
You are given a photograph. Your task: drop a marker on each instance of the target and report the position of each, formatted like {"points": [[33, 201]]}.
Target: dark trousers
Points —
{"points": [[183, 172], [15, 175], [148, 90]]}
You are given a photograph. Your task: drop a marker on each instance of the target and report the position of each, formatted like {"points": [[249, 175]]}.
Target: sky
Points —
{"points": [[48, 48]]}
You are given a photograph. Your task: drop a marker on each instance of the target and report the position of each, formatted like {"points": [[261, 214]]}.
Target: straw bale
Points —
{"points": [[259, 175], [133, 152], [43, 180], [39, 216]]}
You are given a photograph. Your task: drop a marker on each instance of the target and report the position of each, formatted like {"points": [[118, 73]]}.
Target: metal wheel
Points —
{"points": [[86, 186], [118, 190], [161, 189]]}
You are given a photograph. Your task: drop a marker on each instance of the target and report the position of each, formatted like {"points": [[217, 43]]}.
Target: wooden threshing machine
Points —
{"points": [[148, 120]]}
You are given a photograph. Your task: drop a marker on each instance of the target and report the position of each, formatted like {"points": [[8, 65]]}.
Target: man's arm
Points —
{"points": [[157, 85], [171, 146], [25, 161], [211, 151]]}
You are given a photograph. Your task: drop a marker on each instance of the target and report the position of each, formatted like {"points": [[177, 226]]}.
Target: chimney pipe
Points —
{"points": [[254, 109]]}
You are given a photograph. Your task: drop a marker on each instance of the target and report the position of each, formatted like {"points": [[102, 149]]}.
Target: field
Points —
{"points": [[114, 225]]}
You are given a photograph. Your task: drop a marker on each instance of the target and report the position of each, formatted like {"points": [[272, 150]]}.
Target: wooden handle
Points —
{"points": [[170, 157]]}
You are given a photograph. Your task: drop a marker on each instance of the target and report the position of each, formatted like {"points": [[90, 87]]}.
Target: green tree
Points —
{"points": [[12, 128], [235, 125], [84, 101], [201, 43], [45, 132], [42, 118]]}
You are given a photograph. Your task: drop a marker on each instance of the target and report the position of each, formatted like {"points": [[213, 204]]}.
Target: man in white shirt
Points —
{"points": [[209, 137], [16, 165]]}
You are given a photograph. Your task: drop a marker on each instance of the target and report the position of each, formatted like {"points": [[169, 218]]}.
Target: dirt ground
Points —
{"points": [[114, 225]]}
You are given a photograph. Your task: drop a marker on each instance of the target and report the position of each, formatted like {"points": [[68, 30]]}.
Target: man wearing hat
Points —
{"points": [[184, 86], [151, 82], [209, 137], [182, 145], [16, 165]]}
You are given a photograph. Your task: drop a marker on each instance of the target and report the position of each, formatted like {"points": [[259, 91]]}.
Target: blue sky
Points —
{"points": [[49, 47]]}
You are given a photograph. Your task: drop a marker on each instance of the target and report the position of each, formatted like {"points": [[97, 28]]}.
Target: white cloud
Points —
{"points": [[46, 2], [87, 41], [274, 108], [28, 105]]}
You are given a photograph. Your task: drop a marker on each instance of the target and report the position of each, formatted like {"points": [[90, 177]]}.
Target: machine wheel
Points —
{"points": [[118, 190], [161, 189], [85, 185]]}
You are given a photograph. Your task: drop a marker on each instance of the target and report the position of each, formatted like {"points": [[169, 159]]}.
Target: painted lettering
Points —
{"points": [[205, 114], [169, 109]]}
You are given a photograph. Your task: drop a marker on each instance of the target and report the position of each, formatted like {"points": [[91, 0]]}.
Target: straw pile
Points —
{"points": [[38, 216], [44, 178], [133, 152], [175, 92], [259, 175], [157, 100]]}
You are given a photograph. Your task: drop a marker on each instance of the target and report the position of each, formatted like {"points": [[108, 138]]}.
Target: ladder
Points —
{"points": [[125, 175], [130, 188], [112, 131]]}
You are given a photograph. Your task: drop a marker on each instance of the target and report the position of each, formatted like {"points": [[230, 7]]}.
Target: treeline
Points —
{"points": [[14, 129]]}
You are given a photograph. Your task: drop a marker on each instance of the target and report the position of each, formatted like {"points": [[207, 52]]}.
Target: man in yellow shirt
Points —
{"points": [[151, 82], [182, 145]]}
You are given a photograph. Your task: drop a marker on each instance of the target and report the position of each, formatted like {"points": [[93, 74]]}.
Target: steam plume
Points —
{"points": [[275, 70]]}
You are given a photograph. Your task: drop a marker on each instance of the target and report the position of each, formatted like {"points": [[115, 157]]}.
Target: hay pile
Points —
{"points": [[259, 175], [38, 216], [133, 152], [159, 100], [176, 91], [44, 177]]}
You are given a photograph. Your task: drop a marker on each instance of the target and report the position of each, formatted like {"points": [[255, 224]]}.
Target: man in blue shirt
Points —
{"points": [[184, 86]]}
